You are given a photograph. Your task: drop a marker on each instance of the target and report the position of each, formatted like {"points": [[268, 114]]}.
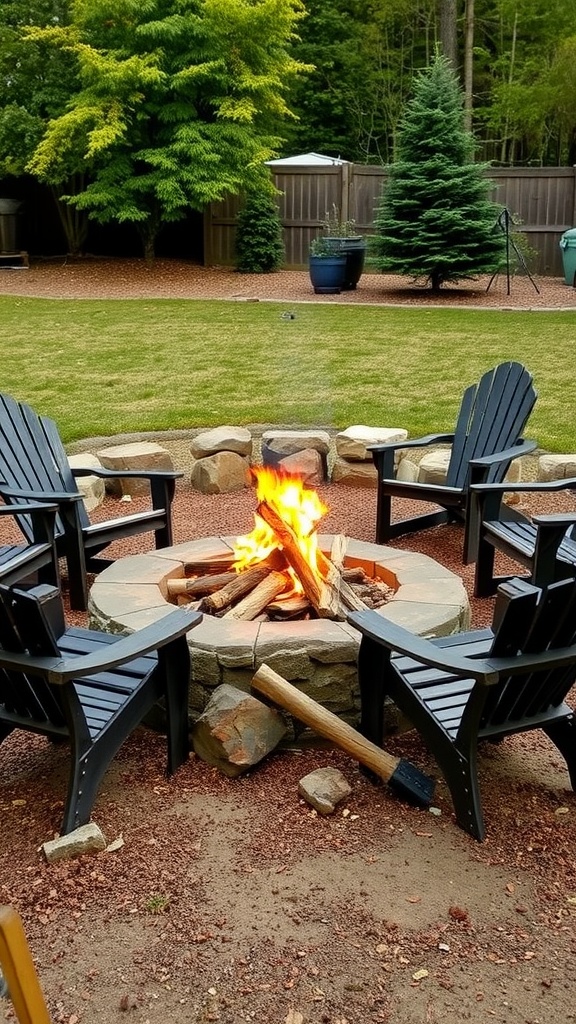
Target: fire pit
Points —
{"points": [[282, 570], [318, 654]]}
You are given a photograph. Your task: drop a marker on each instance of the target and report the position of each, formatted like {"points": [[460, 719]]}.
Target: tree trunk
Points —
{"points": [[74, 222], [448, 31], [469, 64]]}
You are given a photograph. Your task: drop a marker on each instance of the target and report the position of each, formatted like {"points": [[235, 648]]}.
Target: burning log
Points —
{"points": [[338, 550], [242, 583], [333, 577], [406, 780], [289, 607], [261, 595], [322, 593]]}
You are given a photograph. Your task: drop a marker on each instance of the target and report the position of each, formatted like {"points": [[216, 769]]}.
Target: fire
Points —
{"points": [[299, 506]]}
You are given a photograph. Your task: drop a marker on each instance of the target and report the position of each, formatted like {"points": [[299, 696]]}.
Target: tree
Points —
{"points": [[35, 85], [259, 245], [363, 55], [179, 104], [435, 219]]}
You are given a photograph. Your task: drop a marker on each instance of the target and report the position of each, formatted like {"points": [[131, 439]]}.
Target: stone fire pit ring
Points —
{"points": [[318, 655]]}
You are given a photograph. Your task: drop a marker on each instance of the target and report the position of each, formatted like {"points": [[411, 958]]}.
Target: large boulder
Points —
{"points": [[236, 730]]}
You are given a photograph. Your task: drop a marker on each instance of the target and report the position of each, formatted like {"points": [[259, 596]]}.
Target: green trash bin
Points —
{"points": [[568, 246]]}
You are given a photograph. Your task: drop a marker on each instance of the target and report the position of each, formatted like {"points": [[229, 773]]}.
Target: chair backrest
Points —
{"points": [[31, 619], [492, 417], [531, 621], [33, 458]]}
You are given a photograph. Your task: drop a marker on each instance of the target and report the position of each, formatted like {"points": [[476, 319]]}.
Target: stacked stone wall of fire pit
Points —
{"points": [[317, 655]]}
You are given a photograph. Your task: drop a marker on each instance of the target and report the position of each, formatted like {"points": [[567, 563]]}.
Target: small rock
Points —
{"points": [[86, 839], [324, 788]]}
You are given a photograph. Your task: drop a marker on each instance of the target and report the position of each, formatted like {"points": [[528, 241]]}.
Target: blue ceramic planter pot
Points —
{"points": [[327, 274]]}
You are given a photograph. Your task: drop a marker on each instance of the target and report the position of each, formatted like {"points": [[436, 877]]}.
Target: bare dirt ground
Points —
{"points": [[231, 900]]}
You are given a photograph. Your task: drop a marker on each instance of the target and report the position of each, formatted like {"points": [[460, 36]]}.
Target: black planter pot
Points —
{"points": [[354, 248], [327, 273]]}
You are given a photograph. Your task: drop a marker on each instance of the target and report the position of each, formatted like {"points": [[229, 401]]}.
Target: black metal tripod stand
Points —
{"points": [[503, 222]]}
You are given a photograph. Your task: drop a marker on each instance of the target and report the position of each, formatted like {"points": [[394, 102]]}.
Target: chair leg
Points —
{"points": [[83, 783], [174, 664], [76, 562], [484, 583], [563, 736], [383, 517], [461, 776]]}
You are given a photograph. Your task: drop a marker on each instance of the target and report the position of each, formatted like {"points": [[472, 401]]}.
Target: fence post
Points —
{"points": [[345, 191]]}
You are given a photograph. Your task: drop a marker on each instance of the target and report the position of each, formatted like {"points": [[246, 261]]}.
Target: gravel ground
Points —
{"points": [[230, 900]]}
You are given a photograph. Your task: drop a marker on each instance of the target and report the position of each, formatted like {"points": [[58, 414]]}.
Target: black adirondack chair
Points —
{"points": [[484, 684], [544, 544], [34, 467], [487, 438], [37, 559], [88, 687]]}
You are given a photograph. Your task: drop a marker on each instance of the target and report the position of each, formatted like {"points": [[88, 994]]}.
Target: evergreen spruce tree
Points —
{"points": [[259, 245], [435, 219]]}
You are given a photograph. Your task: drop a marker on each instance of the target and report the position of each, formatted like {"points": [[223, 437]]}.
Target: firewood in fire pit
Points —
{"points": [[258, 598], [322, 594], [209, 566], [289, 608], [201, 585], [242, 583]]}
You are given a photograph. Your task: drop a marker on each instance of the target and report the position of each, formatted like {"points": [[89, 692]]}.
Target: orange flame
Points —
{"points": [[299, 506]]}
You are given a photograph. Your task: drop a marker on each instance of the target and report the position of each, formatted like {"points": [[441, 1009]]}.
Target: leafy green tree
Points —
{"points": [[259, 245], [179, 104], [435, 219], [364, 53]]}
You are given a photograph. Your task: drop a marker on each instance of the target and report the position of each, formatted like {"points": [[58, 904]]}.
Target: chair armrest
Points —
{"points": [[537, 486], [61, 670], [402, 641], [484, 670], [151, 474], [417, 442], [62, 497], [13, 510], [556, 519], [383, 454], [523, 448]]}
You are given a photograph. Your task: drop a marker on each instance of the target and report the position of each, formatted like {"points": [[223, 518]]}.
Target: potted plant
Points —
{"points": [[327, 267], [342, 236]]}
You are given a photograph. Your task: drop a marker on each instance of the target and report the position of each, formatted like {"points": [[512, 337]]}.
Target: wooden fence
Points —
{"points": [[543, 198]]}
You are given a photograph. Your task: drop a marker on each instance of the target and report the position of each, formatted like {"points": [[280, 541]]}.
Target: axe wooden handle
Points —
{"points": [[323, 722], [407, 781]]}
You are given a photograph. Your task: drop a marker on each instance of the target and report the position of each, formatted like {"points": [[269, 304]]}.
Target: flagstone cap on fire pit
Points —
{"points": [[317, 655], [429, 599]]}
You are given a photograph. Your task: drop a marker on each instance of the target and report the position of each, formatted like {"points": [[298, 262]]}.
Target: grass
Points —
{"points": [[102, 367]]}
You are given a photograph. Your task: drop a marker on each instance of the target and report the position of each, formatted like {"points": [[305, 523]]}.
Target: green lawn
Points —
{"points": [[106, 367]]}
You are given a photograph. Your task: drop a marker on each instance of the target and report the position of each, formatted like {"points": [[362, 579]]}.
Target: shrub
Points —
{"points": [[259, 245]]}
